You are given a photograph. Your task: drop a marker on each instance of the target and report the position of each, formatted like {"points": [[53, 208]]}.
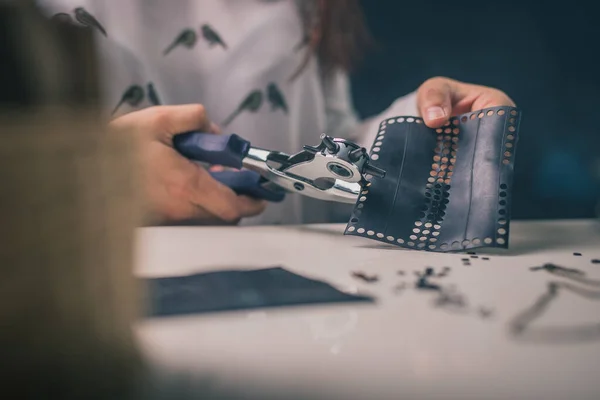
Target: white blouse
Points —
{"points": [[236, 58]]}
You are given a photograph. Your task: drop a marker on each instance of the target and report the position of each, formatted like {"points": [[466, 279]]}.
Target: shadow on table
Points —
{"points": [[318, 229], [528, 239]]}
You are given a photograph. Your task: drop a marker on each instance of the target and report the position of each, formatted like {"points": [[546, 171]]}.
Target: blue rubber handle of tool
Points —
{"points": [[225, 150], [247, 183]]}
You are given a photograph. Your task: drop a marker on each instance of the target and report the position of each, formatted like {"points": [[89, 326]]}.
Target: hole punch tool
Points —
{"points": [[335, 170]]}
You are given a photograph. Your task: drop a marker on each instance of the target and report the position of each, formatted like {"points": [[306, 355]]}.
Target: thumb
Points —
{"points": [[175, 120], [163, 122], [434, 100]]}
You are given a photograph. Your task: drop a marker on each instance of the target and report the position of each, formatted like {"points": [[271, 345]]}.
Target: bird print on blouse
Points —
{"points": [[187, 38], [133, 96], [87, 19], [83, 17], [251, 103], [153, 95], [276, 98], [212, 37]]}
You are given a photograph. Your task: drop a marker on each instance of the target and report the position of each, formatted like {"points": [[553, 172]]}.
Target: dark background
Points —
{"points": [[545, 58]]}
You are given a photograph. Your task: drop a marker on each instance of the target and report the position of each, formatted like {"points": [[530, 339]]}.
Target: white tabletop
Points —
{"points": [[402, 346]]}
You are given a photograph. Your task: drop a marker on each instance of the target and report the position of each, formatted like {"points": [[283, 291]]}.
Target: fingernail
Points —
{"points": [[435, 113]]}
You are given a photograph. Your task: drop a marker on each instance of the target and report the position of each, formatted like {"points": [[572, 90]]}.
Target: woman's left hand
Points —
{"points": [[440, 98]]}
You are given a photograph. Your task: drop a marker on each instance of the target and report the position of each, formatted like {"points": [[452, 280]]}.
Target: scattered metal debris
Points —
{"points": [[557, 269], [448, 298], [520, 326], [568, 273], [364, 277], [451, 300], [424, 284]]}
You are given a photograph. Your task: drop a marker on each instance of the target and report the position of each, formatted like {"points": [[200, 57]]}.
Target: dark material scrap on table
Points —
{"points": [[525, 327], [423, 282], [446, 297], [365, 277], [238, 290], [557, 269], [446, 189]]}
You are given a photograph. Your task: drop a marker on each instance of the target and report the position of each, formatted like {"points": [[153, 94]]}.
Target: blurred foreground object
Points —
{"points": [[67, 294], [45, 62], [68, 209]]}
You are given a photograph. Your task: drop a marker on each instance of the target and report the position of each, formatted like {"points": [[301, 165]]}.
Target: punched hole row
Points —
{"points": [[379, 235], [502, 230], [377, 145], [437, 194], [510, 138]]}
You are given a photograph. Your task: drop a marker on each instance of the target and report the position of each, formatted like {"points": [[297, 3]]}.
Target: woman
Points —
{"points": [[273, 71]]}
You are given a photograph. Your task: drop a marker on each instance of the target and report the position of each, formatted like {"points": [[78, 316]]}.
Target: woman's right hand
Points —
{"points": [[177, 189]]}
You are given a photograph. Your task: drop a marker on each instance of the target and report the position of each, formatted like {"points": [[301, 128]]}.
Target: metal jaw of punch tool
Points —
{"points": [[334, 170]]}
